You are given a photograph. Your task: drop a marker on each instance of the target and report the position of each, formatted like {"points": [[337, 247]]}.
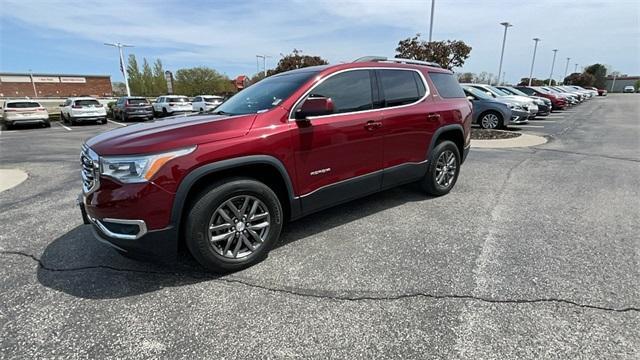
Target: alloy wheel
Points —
{"points": [[446, 166], [490, 121], [239, 226]]}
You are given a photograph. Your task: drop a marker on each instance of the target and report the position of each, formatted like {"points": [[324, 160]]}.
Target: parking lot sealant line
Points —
{"points": [[319, 294], [65, 127], [115, 122]]}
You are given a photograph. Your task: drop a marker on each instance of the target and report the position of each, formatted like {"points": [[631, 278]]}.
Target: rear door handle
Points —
{"points": [[433, 116], [372, 125]]}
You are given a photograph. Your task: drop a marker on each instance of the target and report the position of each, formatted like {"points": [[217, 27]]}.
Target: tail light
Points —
{"points": [[9, 110], [76, 107], [41, 109], [99, 105]]}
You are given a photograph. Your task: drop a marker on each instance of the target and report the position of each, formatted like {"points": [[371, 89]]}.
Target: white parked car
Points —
{"points": [[629, 89], [24, 112], [82, 109], [202, 103], [514, 101], [171, 104]]}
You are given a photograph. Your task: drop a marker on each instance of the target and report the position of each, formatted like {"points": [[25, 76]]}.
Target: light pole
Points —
{"points": [[264, 62], [35, 93], [535, 47], [124, 73], [553, 63], [504, 40], [433, 5], [566, 68], [575, 69]]}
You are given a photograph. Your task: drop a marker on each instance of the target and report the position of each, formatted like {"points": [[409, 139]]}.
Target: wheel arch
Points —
{"points": [[264, 168], [453, 132]]}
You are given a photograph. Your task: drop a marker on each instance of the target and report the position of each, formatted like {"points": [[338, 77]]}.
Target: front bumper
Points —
{"points": [[160, 244], [519, 117]]}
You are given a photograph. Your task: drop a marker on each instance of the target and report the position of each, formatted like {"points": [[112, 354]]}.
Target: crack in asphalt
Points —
{"points": [[324, 294]]}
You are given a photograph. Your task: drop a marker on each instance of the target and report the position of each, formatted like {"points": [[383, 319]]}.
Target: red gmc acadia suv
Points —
{"points": [[223, 183]]}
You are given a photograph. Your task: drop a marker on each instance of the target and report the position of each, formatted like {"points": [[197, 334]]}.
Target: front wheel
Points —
{"points": [[443, 170], [233, 224], [491, 120]]}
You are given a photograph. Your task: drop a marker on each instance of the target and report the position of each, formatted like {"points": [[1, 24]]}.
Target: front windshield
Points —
{"points": [[516, 91], [497, 91], [265, 94], [477, 93]]}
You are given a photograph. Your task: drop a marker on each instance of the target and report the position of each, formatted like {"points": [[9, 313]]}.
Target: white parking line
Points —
{"points": [[115, 122], [544, 120], [529, 126], [66, 127]]}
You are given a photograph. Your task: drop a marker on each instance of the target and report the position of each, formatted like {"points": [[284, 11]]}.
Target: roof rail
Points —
{"points": [[396, 60]]}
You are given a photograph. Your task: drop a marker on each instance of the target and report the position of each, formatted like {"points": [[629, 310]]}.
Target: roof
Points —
{"points": [[46, 74]]}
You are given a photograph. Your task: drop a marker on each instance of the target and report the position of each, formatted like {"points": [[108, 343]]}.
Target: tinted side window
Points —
{"points": [[399, 87], [447, 85], [350, 91]]}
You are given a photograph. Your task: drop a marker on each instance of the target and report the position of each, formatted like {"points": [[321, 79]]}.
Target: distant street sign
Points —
{"points": [[168, 76]]}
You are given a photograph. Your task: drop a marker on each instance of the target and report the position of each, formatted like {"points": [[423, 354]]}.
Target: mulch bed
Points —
{"points": [[486, 134]]}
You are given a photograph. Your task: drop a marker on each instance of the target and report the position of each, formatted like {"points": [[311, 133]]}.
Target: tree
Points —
{"points": [[147, 79], [159, 86], [119, 88], [584, 79], [466, 77], [135, 77], [483, 78], [449, 54], [201, 80], [534, 82], [599, 72], [256, 77], [296, 61]]}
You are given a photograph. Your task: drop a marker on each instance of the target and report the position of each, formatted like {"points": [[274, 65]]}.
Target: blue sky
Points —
{"points": [[68, 36]]}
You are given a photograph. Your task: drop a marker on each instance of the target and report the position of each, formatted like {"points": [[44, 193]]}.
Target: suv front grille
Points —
{"points": [[89, 171]]}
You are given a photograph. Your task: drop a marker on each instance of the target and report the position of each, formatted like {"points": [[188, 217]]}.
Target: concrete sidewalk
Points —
{"points": [[10, 178]]}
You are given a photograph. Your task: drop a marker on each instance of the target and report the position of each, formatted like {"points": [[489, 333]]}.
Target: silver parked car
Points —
{"points": [[16, 112]]}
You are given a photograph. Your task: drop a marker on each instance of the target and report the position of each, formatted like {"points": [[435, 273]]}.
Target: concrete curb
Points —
{"points": [[10, 178], [524, 140]]}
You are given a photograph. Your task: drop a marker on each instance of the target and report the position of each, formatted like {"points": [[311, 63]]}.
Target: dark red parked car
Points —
{"points": [[294, 143], [557, 102]]}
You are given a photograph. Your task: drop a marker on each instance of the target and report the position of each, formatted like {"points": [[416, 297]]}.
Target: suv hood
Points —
{"points": [[170, 133]]}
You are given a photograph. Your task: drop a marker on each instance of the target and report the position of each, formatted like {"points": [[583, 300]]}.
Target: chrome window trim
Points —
{"points": [[424, 81], [359, 176]]}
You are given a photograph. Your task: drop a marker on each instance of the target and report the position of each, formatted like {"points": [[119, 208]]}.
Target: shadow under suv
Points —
{"points": [[290, 145]]}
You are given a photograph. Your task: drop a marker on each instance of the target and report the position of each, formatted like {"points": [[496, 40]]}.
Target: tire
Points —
{"points": [[201, 110], [164, 112], [8, 126], [124, 117], [230, 251], [62, 118], [103, 121], [47, 124], [491, 120], [442, 152]]}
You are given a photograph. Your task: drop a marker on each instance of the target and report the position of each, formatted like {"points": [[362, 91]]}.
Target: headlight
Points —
{"points": [[136, 169], [539, 102]]}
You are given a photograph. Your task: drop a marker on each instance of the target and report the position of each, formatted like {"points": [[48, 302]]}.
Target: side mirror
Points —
{"points": [[490, 94], [470, 98], [315, 106]]}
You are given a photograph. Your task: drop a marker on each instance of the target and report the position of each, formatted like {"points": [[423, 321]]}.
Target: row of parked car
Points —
{"points": [[87, 109], [496, 107]]}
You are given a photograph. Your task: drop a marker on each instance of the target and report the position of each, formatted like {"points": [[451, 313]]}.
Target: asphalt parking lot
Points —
{"points": [[535, 254]]}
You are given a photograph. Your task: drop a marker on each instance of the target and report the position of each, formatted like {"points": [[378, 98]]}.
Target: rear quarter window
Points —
{"points": [[446, 85]]}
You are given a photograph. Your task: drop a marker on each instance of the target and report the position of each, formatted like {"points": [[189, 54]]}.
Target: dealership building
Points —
{"points": [[54, 85]]}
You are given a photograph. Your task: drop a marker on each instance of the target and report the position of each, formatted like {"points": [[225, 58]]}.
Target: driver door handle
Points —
{"points": [[372, 125]]}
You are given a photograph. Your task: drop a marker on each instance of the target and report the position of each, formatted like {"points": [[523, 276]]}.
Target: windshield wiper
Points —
{"points": [[219, 112]]}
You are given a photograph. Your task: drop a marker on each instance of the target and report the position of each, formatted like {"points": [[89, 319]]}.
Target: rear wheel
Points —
{"points": [[164, 112], [103, 121], [443, 170], [47, 123], [491, 120], [233, 224]]}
